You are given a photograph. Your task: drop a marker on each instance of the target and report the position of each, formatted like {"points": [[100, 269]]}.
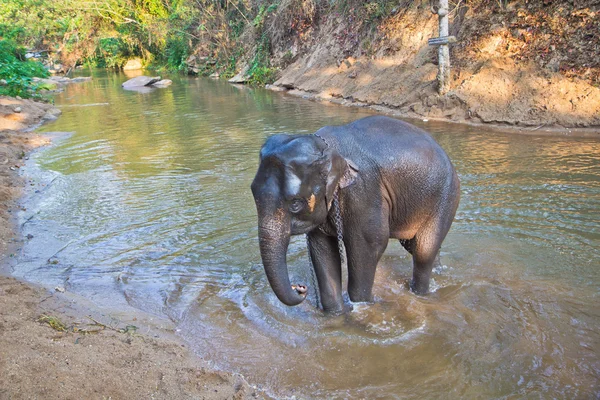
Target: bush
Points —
{"points": [[260, 72], [177, 51], [18, 72], [110, 53], [262, 76]]}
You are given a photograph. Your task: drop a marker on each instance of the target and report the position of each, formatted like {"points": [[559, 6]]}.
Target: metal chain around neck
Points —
{"points": [[337, 220], [339, 227]]}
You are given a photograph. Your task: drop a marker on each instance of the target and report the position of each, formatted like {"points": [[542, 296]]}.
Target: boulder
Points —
{"points": [[197, 63], [60, 79], [162, 83], [55, 82], [133, 64], [49, 84], [140, 81], [52, 114], [81, 79], [241, 77]]}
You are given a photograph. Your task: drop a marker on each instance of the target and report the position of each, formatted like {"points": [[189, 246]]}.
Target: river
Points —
{"points": [[147, 205]]}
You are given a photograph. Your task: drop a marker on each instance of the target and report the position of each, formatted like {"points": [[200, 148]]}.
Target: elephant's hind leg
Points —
{"points": [[425, 250], [407, 244]]}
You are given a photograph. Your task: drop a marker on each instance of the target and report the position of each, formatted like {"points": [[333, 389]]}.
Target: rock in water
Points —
{"points": [[140, 81], [241, 77], [162, 83], [82, 79]]}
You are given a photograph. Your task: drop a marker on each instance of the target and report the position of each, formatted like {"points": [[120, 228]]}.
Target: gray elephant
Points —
{"points": [[383, 178]]}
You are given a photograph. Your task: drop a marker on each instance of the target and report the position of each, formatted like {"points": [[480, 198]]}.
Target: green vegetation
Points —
{"points": [[17, 72], [54, 322], [102, 32], [222, 35], [163, 33]]}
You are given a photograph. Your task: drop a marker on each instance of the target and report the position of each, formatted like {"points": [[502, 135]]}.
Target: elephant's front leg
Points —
{"points": [[364, 252], [325, 258]]}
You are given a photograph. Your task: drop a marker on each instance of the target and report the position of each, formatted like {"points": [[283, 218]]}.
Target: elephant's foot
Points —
{"points": [[338, 309], [420, 288]]}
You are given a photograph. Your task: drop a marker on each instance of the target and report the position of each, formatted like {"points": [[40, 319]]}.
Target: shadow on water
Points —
{"points": [[147, 205]]}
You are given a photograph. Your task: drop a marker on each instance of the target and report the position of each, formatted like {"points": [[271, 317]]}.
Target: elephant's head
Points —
{"points": [[293, 190]]}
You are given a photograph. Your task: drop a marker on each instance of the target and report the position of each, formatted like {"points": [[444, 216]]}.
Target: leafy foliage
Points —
{"points": [[165, 33], [103, 32], [17, 72], [260, 72]]}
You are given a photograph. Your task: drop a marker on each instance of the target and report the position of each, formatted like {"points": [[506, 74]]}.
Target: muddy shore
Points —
{"points": [[544, 129], [54, 345]]}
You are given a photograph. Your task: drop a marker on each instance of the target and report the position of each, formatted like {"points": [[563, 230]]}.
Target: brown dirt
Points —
{"points": [[87, 360], [38, 361], [524, 64]]}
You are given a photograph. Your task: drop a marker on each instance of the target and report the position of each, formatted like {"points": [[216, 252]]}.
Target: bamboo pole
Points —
{"points": [[443, 76]]}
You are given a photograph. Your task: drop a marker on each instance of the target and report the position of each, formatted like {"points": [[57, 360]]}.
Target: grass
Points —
{"points": [[54, 322]]}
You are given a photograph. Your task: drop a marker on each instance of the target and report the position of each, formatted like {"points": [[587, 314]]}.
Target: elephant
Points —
{"points": [[379, 177]]}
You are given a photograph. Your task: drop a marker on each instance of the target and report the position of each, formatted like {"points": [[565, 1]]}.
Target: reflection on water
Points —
{"points": [[149, 206]]}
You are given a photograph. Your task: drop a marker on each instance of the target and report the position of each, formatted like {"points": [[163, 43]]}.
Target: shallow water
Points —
{"points": [[147, 204]]}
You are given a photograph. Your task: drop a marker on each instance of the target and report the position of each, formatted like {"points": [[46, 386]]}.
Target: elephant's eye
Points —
{"points": [[296, 205]]}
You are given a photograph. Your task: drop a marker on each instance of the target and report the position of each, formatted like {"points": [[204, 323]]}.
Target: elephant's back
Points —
{"points": [[386, 142]]}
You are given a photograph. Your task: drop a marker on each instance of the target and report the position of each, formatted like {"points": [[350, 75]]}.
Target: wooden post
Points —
{"points": [[443, 76]]}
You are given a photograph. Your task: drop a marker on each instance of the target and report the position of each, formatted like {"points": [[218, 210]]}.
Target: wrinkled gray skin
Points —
{"points": [[394, 181]]}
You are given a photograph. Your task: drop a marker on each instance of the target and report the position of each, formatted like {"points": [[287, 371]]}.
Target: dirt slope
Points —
{"points": [[530, 63]]}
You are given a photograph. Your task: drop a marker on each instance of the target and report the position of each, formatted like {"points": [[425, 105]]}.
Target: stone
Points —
{"points": [[191, 60], [81, 79], [133, 64], [49, 84], [162, 83], [52, 114], [18, 109], [60, 79], [275, 88], [3, 82], [241, 77], [140, 81], [554, 64]]}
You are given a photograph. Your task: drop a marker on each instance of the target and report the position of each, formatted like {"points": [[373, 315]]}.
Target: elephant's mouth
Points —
{"points": [[301, 227]]}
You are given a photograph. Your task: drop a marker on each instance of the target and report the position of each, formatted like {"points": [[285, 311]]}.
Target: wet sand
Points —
{"points": [[54, 345]]}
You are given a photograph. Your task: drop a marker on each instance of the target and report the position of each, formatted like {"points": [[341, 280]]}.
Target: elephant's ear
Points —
{"points": [[350, 174], [342, 173]]}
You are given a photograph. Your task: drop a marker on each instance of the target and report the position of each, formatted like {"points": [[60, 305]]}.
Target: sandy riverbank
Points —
{"points": [[101, 357]]}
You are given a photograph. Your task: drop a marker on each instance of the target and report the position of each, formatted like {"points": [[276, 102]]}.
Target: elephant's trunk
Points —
{"points": [[274, 233]]}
